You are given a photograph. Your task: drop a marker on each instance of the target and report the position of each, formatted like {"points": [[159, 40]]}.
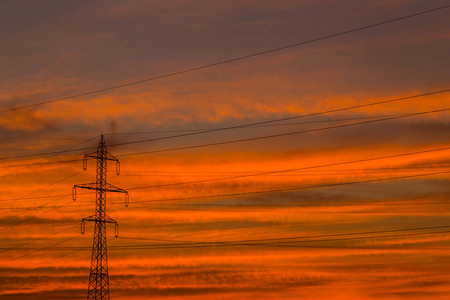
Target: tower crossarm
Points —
{"points": [[100, 220], [89, 186], [109, 156], [108, 187], [115, 189], [105, 219]]}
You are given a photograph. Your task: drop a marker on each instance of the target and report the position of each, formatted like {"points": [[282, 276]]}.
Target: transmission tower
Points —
{"points": [[98, 278]]}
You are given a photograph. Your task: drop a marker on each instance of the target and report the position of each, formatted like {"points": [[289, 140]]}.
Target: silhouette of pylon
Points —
{"points": [[98, 277]]}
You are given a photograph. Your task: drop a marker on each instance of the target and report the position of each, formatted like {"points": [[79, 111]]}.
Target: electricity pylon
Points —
{"points": [[98, 277]]}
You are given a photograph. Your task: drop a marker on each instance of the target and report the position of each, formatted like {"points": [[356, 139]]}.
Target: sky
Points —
{"points": [[261, 178]]}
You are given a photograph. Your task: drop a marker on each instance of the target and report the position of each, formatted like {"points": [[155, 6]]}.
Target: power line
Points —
{"points": [[270, 242], [39, 164], [258, 174], [272, 245], [296, 188], [289, 170], [31, 267], [228, 60], [39, 239], [264, 241], [265, 244], [273, 135], [255, 205], [44, 159], [41, 189], [34, 217], [220, 129], [44, 197], [306, 212], [310, 236], [251, 126], [295, 173], [54, 153], [38, 250], [304, 205]]}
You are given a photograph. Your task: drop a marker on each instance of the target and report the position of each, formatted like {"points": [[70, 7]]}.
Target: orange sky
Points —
{"points": [[318, 235]]}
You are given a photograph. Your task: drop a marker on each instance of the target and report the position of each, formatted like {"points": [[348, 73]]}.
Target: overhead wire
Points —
{"points": [[43, 188], [254, 126], [265, 244], [224, 244], [289, 170], [262, 241], [37, 250], [434, 212], [42, 161], [255, 174], [238, 127], [311, 236], [215, 174], [33, 217], [294, 188], [272, 135], [33, 266]]}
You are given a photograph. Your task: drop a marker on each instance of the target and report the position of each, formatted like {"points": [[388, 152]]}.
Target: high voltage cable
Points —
{"points": [[297, 246], [225, 128], [214, 173], [41, 189], [295, 174], [34, 217], [306, 205], [234, 244], [314, 236], [299, 116], [39, 239], [296, 188], [255, 205], [39, 163], [269, 242], [295, 239], [211, 144], [48, 196], [254, 126], [228, 60], [272, 239], [273, 172], [273, 135], [31, 267], [37, 250], [44, 159], [285, 171], [276, 242], [303, 211]]}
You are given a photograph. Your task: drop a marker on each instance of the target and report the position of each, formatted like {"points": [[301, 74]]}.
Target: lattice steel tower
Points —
{"points": [[98, 277]]}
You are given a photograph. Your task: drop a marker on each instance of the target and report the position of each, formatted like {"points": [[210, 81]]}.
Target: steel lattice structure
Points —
{"points": [[98, 278]]}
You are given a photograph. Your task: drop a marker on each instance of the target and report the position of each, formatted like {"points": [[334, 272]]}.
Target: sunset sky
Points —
{"points": [[256, 178]]}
